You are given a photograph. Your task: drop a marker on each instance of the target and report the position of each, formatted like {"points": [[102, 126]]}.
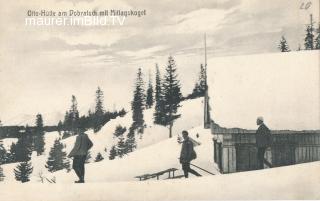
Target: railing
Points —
{"points": [[235, 149]]}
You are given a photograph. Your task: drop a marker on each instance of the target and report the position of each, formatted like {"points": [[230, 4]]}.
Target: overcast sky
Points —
{"points": [[41, 67]]}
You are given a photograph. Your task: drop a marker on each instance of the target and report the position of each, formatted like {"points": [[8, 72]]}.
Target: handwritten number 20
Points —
{"points": [[306, 6]]}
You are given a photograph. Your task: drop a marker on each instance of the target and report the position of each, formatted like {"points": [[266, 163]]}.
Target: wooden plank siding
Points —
{"points": [[235, 149]]}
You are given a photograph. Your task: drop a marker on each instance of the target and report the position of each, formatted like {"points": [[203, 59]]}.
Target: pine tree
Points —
{"points": [[98, 157], [39, 136], [138, 103], [99, 110], [131, 141], [200, 86], [283, 45], [121, 147], [159, 106], [57, 158], [149, 99], [119, 131], [317, 40], [23, 171], [171, 95], [23, 149], [309, 38], [3, 154], [1, 174], [74, 114], [113, 153], [60, 127]]}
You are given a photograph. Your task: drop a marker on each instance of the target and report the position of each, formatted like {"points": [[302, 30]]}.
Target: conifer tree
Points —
{"points": [[98, 157], [283, 45], [171, 95], [22, 171], [138, 103], [74, 114], [149, 99], [99, 111], [23, 149], [159, 105], [39, 135], [1, 174], [57, 158], [113, 153], [200, 86], [317, 40], [131, 141], [121, 147], [119, 131], [309, 38], [3, 154]]}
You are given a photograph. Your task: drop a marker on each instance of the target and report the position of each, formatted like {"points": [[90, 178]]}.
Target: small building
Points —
{"points": [[284, 88]]}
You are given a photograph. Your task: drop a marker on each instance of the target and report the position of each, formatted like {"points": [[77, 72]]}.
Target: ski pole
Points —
{"points": [[202, 169]]}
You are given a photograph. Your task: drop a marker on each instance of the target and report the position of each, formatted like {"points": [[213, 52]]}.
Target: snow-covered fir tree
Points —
{"points": [[317, 40], [159, 106], [119, 131], [149, 99], [39, 142], [113, 153], [131, 140], [23, 149], [99, 157], [309, 38], [171, 95], [138, 103], [200, 86], [283, 45], [1, 174], [3, 154], [71, 119], [121, 147], [99, 111], [22, 171], [57, 159]]}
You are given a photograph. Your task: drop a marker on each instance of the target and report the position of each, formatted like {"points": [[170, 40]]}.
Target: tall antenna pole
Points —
{"points": [[206, 96]]}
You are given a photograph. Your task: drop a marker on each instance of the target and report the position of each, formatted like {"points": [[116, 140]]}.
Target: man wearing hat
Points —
{"points": [[187, 154], [263, 141], [79, 154]]}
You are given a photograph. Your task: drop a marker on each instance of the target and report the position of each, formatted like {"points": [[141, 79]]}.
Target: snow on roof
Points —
{"points": [[282, 87]]}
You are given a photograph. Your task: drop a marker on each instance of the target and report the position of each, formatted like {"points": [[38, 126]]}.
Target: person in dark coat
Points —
{"points": [[79, 154], [263, 141], [187, 154]]}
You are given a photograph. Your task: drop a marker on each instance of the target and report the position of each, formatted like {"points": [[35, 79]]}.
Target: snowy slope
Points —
{"points": [[281, 87], [291, 182], [151, 159], [153, 134]]}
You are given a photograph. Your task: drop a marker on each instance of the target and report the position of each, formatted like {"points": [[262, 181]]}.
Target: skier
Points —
{"points": [[187, 154], [263, 141], [79, 154]]}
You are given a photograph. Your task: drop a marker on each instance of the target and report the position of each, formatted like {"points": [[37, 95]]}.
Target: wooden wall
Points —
{"points": [[235, 150]]}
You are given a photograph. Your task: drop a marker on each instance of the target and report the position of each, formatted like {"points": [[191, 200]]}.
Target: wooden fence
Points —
{"points": [[235, 149]]}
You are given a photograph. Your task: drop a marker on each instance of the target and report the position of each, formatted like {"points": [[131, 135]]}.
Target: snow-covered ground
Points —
{"points": [[163, 153], [291, 182]]}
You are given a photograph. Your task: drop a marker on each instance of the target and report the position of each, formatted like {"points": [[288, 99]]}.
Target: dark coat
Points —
{"points": [[186, 151], [263, 136], [81, 146]]}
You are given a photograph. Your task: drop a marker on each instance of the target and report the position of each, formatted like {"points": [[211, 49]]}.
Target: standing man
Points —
{"points": [[79, 154], [263, 141], [187, 154]]}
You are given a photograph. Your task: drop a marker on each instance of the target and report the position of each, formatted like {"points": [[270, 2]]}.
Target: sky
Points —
{"points": [[42, 66]]}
